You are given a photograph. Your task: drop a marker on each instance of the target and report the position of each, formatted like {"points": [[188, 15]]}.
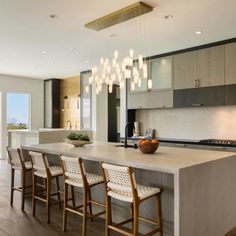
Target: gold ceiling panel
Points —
{"points": [[119, 16]]}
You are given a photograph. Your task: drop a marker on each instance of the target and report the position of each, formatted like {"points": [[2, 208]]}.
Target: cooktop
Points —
{"points": [[219, 142]]}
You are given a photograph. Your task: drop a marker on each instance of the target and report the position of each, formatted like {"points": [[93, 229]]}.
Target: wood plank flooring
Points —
{"points": [[15, 223]]}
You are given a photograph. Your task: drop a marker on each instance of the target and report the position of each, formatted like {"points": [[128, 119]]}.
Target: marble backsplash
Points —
{"points": [[190, 123]]}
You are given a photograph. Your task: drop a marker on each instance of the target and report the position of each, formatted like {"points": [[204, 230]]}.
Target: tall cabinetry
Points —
{"points": [[52, 89]]}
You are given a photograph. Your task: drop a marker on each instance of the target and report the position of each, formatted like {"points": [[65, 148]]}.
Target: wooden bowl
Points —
{"points": [[77, 143], [148, 146]]}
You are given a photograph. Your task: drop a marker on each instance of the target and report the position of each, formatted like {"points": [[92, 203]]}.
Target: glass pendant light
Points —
{"points": [[107, 80], [86, 89], [132, 86], [131, 53], [139, 83], [122, 84], [116, 54], [149, 84]]}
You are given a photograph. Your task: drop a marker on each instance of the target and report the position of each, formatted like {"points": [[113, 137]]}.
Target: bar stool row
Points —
{"points": [[119, 182]]}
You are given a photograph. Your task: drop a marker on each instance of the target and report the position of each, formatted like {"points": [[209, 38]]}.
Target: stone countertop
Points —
{"points": [[166, 159]]}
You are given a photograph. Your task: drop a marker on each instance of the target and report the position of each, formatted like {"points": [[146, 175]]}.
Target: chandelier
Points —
{"points": [[117, 70]]}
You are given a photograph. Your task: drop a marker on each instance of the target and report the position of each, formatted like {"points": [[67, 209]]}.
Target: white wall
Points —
{"points": [[100, 114], [23, 85], [191, 123]]}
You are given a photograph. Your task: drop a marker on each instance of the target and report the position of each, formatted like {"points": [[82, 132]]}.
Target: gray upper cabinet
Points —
{"points": [[137, 100], [162, 73], [210, 66], [143, 87], [185, 70], [230, 63], [160, 99]]}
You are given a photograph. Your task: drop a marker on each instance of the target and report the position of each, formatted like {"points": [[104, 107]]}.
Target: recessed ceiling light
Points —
{"points": [[168, 17], [113, 35], [53, 16], [45, 52], [199, 32], [72, 66], [86, 61]]}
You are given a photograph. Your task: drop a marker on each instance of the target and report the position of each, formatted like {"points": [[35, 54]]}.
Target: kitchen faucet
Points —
{"points": [[69, 123], [126, 133]]}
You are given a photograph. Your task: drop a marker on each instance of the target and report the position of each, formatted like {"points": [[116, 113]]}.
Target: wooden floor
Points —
{"points": [[15, 223]]}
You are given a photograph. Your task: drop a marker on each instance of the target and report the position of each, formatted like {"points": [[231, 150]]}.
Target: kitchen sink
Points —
{"points": [[128, 146]]}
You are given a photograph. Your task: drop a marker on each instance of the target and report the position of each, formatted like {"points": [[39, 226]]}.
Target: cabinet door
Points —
{"points": [[162, 73], [210, 69], [160, 99], [185, 70], [230, 63], [143, 87], [230, 94], [137, 101], [207, 96]]}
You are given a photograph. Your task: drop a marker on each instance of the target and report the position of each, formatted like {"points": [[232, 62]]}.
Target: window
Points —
{"points": [[85, 94], [18, 111]]}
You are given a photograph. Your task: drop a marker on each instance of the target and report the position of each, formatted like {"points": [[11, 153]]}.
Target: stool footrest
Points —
{"points": [[148, 220], [97, 203], [119, 230], [122, 223]]}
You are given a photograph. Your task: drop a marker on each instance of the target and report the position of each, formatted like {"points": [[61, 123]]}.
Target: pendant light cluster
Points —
{"points": [[115, 71]]}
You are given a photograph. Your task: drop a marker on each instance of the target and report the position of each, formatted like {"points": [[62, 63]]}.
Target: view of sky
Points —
{"points": [[17, 108]]}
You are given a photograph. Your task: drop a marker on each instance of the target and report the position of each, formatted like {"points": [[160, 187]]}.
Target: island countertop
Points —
{"points": [[166, 159]]}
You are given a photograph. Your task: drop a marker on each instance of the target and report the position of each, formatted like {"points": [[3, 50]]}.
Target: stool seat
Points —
{"points": [[54, 170], [121, 184], [28, 166], [143, 193], [75, 175], [19, 163], [76, 180]]}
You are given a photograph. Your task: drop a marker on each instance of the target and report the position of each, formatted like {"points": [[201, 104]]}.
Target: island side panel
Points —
{"points": [[207, 204]]}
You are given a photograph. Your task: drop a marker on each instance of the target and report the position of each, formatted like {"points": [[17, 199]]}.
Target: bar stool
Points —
{"points": [[18, 163], [75, 175], [121, 184], [42, 169]]}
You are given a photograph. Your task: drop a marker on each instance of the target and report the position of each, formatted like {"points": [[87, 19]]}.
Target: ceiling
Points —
{"points": [[34, 45]]}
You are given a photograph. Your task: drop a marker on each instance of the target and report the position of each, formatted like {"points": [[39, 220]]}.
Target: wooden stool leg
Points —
{"points": [[108, 215], [73, 195], [65, 206], [90, 205], [159, 213], [23, 184], [132, 216], [48, 199], [58, 192], [136, 213], [85, 198], [34, 194], [12, 185]]}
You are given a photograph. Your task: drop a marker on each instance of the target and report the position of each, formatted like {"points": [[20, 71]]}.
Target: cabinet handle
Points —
{"points": [[198, 83], [197, 105]]}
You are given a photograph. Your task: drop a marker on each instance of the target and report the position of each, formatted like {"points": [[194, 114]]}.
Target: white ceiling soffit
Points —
{"points": [[34, 45]]}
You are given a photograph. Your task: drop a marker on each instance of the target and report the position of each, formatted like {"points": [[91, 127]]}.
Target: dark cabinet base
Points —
{"points": [[206, 96], [230, 94]]}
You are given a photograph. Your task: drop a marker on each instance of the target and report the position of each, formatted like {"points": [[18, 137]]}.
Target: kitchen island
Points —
{"points": [[195, 190]]}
